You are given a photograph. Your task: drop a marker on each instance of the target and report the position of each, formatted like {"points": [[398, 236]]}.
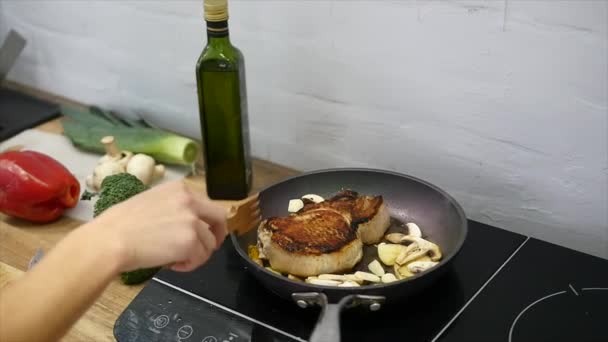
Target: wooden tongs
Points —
{"points": [[244, 215]]}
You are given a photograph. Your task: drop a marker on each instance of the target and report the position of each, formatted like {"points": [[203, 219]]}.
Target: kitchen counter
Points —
{"points": [[19, 241]]}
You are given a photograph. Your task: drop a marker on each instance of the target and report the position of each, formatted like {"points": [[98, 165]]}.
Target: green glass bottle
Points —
{"points": [[222, 96]]}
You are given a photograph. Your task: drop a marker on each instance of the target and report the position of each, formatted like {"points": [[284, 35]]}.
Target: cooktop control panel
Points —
{"points": [[161, 313]]}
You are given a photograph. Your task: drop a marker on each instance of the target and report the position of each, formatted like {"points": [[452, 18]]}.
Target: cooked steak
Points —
{"points": [[325, 237]]}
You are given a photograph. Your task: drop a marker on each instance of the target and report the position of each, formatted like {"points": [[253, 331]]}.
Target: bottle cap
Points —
{"points": [[216, 10]]}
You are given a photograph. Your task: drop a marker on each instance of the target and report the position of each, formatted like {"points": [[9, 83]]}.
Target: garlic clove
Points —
{"points": [[413, 230], [376, 268], [295, 205], [317, 281], [388, 278], [336, 277], [349, 283], [388, 252], [367, 276]]}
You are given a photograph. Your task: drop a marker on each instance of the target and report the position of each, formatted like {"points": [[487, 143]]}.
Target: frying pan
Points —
{"points": [[408, 199]]}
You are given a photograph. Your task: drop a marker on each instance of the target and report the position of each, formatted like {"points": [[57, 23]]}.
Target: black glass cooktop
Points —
{"points": [[545, 293], [496, 276]]}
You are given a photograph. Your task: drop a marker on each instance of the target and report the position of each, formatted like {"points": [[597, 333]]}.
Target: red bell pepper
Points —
{"points": [[35, 187]]}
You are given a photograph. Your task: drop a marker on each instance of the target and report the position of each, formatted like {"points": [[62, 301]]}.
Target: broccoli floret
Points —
{"points": [[115, 189], [138, 276]]}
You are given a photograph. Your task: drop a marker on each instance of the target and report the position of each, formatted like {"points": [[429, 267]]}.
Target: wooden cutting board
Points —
{"points": [[19, 241]]}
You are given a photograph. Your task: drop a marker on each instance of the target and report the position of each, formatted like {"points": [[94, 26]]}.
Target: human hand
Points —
{"points": [[167, 224]]}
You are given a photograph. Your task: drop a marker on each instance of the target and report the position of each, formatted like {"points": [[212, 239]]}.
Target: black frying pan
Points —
{"points": [[408, 199]]}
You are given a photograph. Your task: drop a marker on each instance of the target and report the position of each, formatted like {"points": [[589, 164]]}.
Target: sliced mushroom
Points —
{"points": [[431, 248], [420, 266], [413, 230], [411, 252], [402, 272]]}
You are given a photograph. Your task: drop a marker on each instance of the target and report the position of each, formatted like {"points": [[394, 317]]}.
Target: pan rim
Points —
{"points": [[381, 286]]}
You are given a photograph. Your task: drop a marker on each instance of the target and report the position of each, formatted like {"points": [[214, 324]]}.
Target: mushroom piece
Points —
{"points": [[113, 162], [420, 266], [431, 248], [411, 252], [143, 167], [402, 271], [113, 154], [418, 248], [104, 170]]}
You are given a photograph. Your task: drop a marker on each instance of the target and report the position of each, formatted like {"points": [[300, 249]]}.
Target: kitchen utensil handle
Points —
{"points": [[328, 326]]}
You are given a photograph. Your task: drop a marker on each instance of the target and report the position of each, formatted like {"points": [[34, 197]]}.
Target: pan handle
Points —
{"points": [[327, 328]]}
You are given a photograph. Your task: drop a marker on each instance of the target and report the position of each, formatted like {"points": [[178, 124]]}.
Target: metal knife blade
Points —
{"points": [[10, 50], [36, 258]]}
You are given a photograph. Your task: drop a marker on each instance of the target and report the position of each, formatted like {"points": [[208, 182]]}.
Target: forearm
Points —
{"points": [[47, 300]]}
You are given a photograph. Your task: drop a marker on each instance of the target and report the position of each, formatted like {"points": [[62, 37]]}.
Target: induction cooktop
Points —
{"points": [[502, 287]]}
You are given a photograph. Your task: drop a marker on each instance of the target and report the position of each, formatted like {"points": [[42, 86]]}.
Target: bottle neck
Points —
{"points": [[217, 33]]}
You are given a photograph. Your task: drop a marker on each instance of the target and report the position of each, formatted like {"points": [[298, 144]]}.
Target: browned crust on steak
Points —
{"points": [[360, 209], [324, 227], [316, 231]]}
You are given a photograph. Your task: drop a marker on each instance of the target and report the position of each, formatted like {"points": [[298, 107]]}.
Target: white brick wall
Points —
{"points": [[502, 103]]}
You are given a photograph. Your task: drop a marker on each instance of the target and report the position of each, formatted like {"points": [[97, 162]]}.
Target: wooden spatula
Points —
{"points": [[244, 215]]}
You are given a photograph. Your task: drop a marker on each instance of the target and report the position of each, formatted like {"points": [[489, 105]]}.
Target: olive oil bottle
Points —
{"points": [[222, 97]]}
